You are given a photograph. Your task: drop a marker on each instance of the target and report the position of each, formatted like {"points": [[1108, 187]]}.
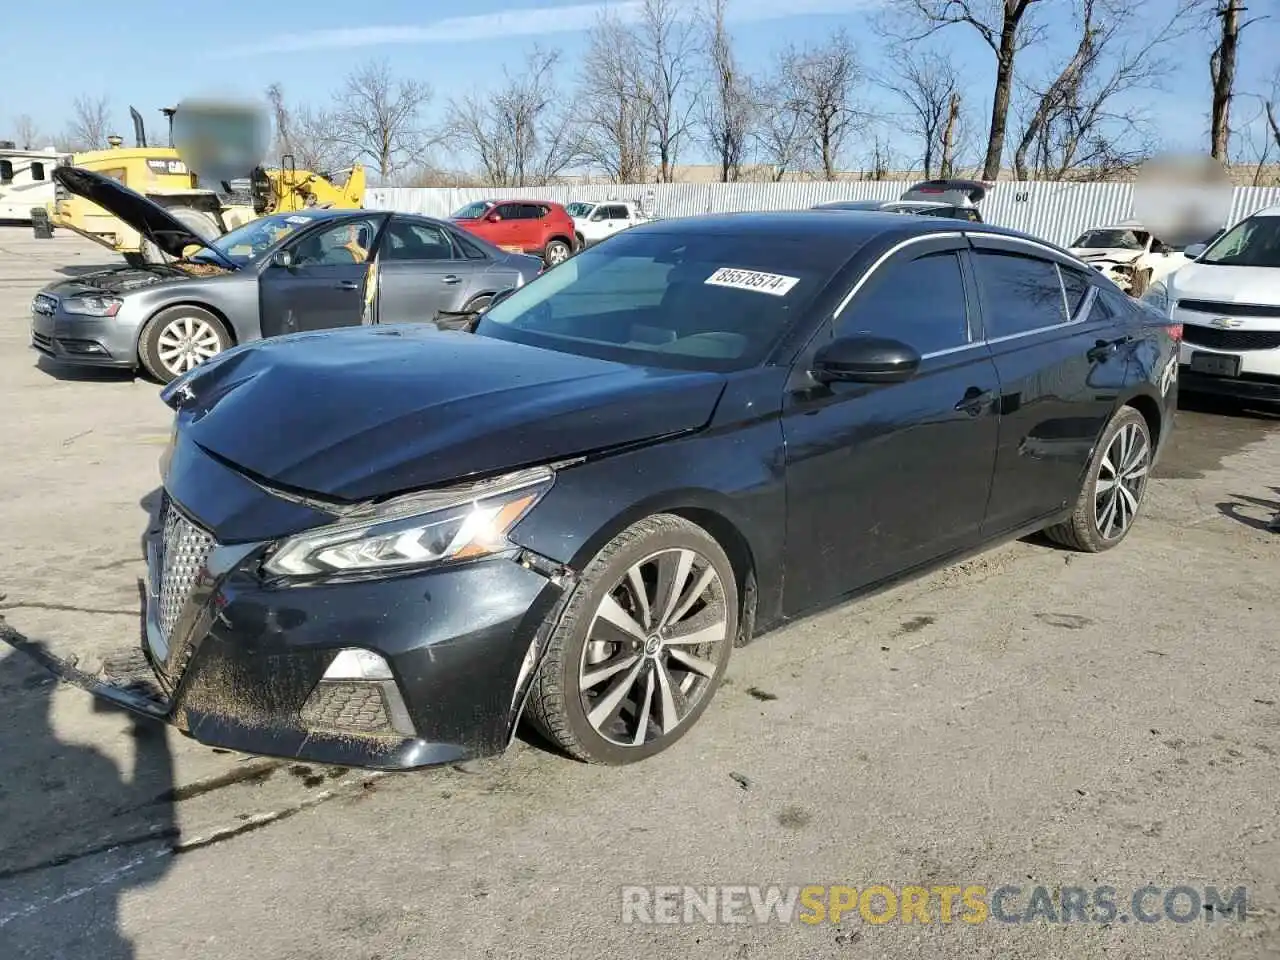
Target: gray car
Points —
{"points": [[285, 273]]}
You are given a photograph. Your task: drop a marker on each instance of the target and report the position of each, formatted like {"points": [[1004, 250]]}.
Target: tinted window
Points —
{"points": [[1019, 292], [37, 171], [470, 249], [472, 211], [682, 300], [509, 211], [531, 211], [920, 302], [6, 171], [1076, 285], [406, 240]]}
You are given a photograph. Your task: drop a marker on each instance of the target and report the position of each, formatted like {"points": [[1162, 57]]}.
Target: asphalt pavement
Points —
{"points": [[1031, 718]]}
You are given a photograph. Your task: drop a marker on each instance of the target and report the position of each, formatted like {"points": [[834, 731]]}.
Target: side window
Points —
{"points": [[6, 171], [469, 248], [1076, 285], [509, 211], [37, 170], [406, 240], [531, 211], [347, 242], [1020, 293], [920, 302], [617, 213]]}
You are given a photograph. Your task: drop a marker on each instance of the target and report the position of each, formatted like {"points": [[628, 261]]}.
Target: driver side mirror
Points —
{"points": [[1194, 250], [865, 359], [283, 258]]}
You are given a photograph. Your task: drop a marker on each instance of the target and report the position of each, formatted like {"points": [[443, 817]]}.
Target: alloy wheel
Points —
{"points": [[1122, 479], [557, 253], [186, 342], [651, 652]]}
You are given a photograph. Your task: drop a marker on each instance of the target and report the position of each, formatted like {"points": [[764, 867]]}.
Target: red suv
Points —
{"points": [[521, 226]]}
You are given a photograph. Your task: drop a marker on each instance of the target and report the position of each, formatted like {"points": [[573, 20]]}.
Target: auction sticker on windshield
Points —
{"points": [[774, 283], [297, 219]]}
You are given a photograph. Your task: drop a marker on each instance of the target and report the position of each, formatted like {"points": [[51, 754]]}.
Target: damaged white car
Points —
{"points": [[1128, 254]]}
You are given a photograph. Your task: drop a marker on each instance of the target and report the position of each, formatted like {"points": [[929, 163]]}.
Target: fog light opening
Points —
{"points": [[356, 663]]}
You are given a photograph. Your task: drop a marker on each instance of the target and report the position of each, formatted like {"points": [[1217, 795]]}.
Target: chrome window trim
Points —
{"points": [[1029, 242], [879, 262]]}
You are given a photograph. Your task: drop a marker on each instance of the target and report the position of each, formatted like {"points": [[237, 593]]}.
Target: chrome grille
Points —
{"points": [[186, 550]]}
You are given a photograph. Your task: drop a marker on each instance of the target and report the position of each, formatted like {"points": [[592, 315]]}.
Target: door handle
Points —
{"points": [[347, 285], [450, 279], [974, 400]]}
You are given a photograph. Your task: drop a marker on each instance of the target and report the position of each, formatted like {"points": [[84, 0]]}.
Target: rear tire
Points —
{"points": [[1114, 485], [557, 252], [621, 679], [179, 339]]}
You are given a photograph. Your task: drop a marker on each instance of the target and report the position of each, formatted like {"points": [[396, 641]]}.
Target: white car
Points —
{"points": [[598, 221], [1228, 300], [1128, 255]]}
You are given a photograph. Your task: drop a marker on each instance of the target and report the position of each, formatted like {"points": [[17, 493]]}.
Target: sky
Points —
{"points": [[154, 54]]}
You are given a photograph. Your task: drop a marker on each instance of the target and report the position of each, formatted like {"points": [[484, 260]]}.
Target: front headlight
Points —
{"points": [[92, 306], [1157, 295], [461, 523]]}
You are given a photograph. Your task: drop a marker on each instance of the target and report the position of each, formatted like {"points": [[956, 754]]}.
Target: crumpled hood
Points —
{"points": [[363, 413], [1113, 255], [115, 280], [1202, 281]]}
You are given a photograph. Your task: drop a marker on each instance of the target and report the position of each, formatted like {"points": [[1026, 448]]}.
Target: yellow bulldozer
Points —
{"points": [[160, 174]]}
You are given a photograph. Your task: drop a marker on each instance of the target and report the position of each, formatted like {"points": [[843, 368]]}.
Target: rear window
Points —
{"points": [[680, 300]]}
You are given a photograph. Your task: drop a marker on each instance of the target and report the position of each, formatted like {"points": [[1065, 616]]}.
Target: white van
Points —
{"points": [[25, 180]]}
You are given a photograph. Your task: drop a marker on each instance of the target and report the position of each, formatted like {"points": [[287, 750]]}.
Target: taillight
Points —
{"points": [[1175, 331]]}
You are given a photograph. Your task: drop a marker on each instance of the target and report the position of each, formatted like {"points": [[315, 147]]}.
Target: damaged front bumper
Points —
{"points": [[236, 663]]}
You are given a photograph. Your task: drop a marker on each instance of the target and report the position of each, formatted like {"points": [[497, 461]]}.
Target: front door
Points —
{"points": [[884, 477], [325, 283], [1060, 372], [422, 271]]}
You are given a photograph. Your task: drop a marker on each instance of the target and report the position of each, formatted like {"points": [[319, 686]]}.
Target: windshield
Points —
{"points": [[579, 209], [472, 211], [677, 300], [246, 243], [1112, 240], [1254, 242]]}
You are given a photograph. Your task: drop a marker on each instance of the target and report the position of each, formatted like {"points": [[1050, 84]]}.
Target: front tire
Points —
{"points": [[179, 339], [1113, 489], [642, 644]]}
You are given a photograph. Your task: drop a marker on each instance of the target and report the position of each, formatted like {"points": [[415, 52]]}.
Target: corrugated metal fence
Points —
{"points": [[1056, 211]]}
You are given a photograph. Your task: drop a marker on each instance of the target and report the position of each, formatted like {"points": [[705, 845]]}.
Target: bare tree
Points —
{"points": [[616, 104], [819, 84], [1003, 25], [90, 124], [1073, 122], [522, 134], [379, 117], [1222, 72], [666, 39], [779, 136], [728, 109], [306, 134], [26, 133], [928, 85]]}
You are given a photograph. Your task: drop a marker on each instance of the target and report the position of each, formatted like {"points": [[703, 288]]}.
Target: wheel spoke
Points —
{"points": [[641, 596], [673, 573], [691, 596], [611, 699], [611, 611], [666, 698], [646, 707], [609, 668], [696, 638], [697, 665], [1107, 517]]}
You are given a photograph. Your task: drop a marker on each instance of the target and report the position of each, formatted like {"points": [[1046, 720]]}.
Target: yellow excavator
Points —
{"points": [[161, 175]]}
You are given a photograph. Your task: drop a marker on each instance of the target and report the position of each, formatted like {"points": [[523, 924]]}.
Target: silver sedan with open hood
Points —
{"points": [[308, 270]]}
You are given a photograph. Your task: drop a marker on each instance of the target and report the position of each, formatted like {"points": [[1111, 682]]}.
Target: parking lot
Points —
{"points": [[1031, 717]]}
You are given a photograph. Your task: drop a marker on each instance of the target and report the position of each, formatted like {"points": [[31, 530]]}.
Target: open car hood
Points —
{"points": [[368, 412], [150, 219]]}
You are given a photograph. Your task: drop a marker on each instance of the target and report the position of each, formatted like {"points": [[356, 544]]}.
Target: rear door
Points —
{"points": [[1060, 366], [884, 477], [327, 282], [422, 271]]}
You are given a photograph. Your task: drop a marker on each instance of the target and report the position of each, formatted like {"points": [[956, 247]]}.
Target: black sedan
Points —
{"points": [[383, 547]]}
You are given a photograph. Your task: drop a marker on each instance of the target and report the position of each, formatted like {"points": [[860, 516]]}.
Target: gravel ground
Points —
{"points": [[1028, 718]]}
